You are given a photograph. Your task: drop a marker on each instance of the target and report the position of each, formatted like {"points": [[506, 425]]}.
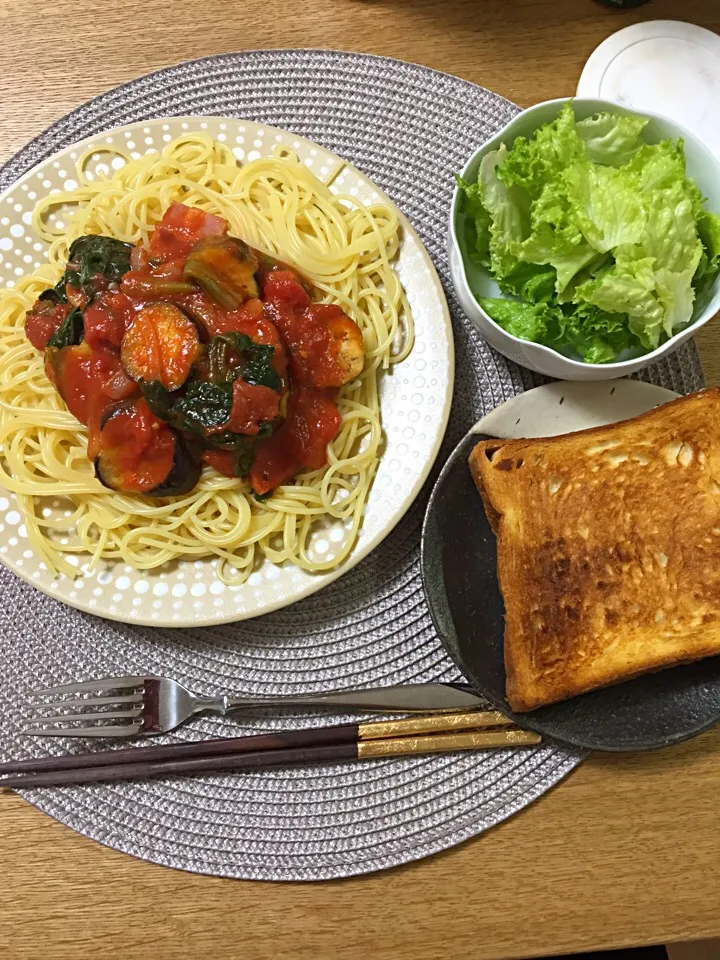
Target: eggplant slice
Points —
{"points": [[155, 462], [183, 476], [225, 269], [162, 344]]}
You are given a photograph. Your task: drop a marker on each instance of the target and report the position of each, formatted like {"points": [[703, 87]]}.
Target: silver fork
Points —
{"points": [[129, 706]]}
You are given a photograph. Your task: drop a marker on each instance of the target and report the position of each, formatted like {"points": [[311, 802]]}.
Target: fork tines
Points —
{"points": [[94, 714]]}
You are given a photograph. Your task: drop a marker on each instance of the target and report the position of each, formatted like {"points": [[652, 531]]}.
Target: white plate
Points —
{"points": [[565, 407], [414, 402], [664, 66]]}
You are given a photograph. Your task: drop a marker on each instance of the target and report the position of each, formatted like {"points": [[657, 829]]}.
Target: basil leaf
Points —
{"points": [[158, 398], [255, 360], [258, 367], [204, 405], [56, 293], [228, 440], [88, 256], [93, 254], [70, 332]]}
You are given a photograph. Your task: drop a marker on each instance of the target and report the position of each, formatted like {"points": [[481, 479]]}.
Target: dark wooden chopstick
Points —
{"points": [[143, 769], [412, 736], [185, 751], [328, 752]]}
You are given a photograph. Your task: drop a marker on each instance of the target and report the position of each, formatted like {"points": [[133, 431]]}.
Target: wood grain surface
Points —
{"points": [[627, 849]]}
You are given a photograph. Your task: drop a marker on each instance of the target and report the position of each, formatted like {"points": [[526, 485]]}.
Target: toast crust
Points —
{"points": [[608, 545]]}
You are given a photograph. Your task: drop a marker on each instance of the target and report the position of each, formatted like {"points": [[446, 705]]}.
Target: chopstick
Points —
{"points": [[438, 733], [264, 741]]}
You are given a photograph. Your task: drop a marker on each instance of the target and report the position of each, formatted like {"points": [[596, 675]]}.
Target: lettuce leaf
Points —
{"points": [[528, 321], [657, 167], [591, 334], [559, 250], [708, 225], [532, 282], [477, 222], [509, 212], [606, 206], [612, 139], [532, 164], [709, 230], [629, 287]]}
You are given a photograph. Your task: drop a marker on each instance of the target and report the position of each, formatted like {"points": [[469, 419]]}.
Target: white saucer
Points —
{"points": [[664, 66], [564, 407]]}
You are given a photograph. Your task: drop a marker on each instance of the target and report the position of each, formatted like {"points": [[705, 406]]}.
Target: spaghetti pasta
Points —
{"points": [[278, 206]]}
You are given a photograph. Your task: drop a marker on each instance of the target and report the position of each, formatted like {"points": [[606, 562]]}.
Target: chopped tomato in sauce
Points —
{"points": [[180, 229], [221, 460], [107, 319], [283, 286], [141, 447], [325, 345], [312, 422], [43, 320], [89, 381], [252, 404], [120, 386]]}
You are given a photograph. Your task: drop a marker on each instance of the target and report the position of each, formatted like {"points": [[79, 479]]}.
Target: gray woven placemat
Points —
{"points": [[409, 128]]}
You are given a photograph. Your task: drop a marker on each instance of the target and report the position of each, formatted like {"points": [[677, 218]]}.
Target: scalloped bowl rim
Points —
{"points": [[619, 366]]}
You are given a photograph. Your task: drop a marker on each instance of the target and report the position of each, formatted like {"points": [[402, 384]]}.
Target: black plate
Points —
{"points": [[460, 579]]}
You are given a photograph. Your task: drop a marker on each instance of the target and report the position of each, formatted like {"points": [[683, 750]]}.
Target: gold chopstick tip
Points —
{"points": [[435, 723], [447, 743]]}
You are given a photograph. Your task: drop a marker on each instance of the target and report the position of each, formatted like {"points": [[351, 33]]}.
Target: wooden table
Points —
{"points": [[627, 850]]}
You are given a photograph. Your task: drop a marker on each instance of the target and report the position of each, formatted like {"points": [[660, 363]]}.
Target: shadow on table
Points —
{"points": [[677, 757], [642, 953], [525, 19]]}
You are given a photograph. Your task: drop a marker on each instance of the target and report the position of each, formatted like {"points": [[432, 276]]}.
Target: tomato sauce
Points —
{"points": [[142, 448], [89, 381], [252, 404], [108, 318], [325, 346], [317, 349], [43, 320], [180, 229], [221, 460], [312, 422]]}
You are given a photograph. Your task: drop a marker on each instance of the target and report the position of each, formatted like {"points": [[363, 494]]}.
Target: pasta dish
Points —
{"points": [[195, 373]]}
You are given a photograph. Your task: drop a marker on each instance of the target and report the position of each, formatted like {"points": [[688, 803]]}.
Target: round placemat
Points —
{"points": [[409, 128]]}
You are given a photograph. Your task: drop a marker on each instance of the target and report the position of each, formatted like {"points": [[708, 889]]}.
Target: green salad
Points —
{"points": [[600, 238]]}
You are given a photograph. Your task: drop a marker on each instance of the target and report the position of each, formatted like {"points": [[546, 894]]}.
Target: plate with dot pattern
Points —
{"points": [[414, 399]]}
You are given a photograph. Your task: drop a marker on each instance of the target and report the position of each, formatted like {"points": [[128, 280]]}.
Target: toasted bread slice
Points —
{"points": [[608, 545]]}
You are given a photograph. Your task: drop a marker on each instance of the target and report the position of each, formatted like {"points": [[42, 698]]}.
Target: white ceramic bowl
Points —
{"points": [[472, 281]]}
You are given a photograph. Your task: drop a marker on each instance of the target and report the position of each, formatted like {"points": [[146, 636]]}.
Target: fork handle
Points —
{"points": [[407, 698]]}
